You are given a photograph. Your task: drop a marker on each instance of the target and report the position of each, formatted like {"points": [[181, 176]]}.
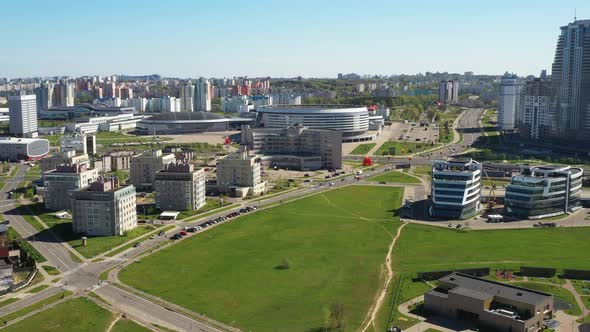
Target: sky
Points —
{"points": [[309, 38]]}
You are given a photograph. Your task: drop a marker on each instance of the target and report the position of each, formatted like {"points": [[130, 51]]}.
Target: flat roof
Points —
{"points": [[171, 214], [475, 287], [13, 140]]}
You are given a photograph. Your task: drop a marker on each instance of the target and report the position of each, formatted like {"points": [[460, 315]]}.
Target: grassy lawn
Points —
{"points": [[26, 214], [126, 325], [403, 148], [79, 314], [422, 170], [210, 204], [7, 302], [99, 244], [488, 183], [293, 262], [13, 235], [52, 271], [95, 245], [363, 149], [123, 248], [38, 305], [37, 289], [426, 248], [561, 295], [394, 176], [33, 173]]}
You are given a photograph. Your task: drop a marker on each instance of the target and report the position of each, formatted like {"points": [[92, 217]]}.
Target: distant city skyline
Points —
{"points": [[182, 38]]}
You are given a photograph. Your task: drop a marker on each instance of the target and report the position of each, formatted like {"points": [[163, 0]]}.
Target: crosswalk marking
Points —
{"points": [[67, 273]]}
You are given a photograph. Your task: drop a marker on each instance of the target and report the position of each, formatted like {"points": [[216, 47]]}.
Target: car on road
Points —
{"points": [[450, 226], [161, 233], [136, 244], [382, 182], [153, 236], [459, 226]]}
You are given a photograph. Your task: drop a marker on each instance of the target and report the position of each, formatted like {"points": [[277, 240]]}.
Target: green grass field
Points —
{"points": [[33, 307], [100, 244], [281, 268], [395, 148], [79, 314], [426, 248], [394, 176], [363, 149], [126, 325]]}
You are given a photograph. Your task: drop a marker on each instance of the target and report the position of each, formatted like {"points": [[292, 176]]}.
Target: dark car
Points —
{"points": [[175, 237], [161, 233], [136, 245]]}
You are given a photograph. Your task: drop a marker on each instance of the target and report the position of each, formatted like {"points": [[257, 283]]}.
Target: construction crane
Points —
{"points": [[492, 194]]}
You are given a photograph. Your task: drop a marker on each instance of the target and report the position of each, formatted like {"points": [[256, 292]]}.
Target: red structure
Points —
{"points": [[367, 161], [227, 141]]}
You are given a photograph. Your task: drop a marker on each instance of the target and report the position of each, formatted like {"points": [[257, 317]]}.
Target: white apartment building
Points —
{"points": [[23, 115], [59, 182], [238, 174], [145, 166], [508, 102], [187, 96], [104, 208], [202, 95], [179, 187]]}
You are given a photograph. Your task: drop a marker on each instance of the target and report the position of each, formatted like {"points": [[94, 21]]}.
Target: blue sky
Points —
{"points": [[316, 38]]}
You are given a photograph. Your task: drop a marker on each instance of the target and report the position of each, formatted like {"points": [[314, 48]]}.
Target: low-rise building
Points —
{"points": [[14, 149], [544, 191], [57, 183], [489, 304], [456, 188], [238, 175], [179, 187], [104, 208], [114, 161], [145, 166], [79, 143], [295, 147], [61, 158]]}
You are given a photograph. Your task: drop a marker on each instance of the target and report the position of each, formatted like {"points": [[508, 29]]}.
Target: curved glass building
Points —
{"points": [[456, 188], [544, 191]]}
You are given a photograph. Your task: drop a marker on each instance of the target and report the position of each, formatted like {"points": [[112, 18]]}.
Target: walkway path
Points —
{"points": [[370, 319]]}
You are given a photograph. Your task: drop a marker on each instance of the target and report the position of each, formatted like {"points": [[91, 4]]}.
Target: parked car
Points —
{"points": [[161, 233], [136, 244], [153, 237], [183, 233]]}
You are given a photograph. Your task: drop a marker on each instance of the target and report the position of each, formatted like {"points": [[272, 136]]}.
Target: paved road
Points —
{"points": [[149, 311], [45, 243]]}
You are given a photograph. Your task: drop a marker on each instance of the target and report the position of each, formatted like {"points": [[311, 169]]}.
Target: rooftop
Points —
{"points": [[483, 289]]}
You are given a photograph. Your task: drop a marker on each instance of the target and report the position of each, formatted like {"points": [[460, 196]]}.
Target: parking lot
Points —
{"points": [[419, 132]]}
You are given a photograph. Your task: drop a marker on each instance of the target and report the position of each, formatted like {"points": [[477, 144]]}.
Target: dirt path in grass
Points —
{"points": [[374, 309]]}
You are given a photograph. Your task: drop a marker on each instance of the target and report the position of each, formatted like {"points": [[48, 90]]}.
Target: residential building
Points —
{"points": [[448, 92], [535, 102], [63, 94], [238, 174], [57, 183], [23, 115], [455, 189], [44, 95], [295, 147], [104, 208], [68, 157], [114, 161], [544, 191], [202, 95], [179, 187], [145, 166], [13, 149], [235, 104], [489, 304], [570, 77], [79, 143], [138, 103], [508, 102], [187, 96]]}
